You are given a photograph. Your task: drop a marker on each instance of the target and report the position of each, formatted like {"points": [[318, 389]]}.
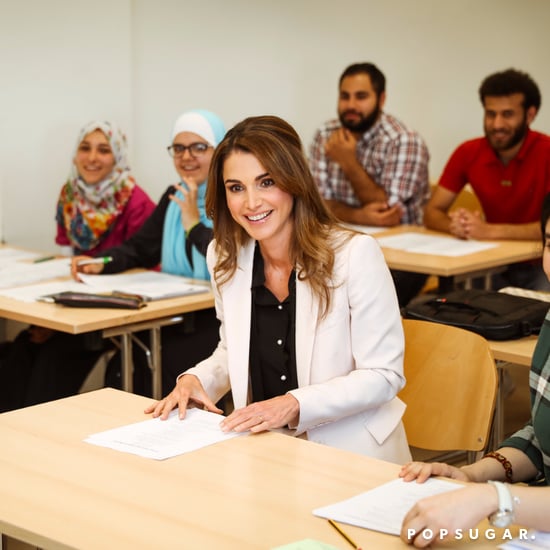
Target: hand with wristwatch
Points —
{"points": [[504, 516]]}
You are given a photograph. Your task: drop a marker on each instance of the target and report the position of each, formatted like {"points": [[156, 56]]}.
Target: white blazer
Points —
{"points": [[349, 364]]}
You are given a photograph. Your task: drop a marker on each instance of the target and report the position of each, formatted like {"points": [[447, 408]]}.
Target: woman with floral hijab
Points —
{"points": [[100, 206]]}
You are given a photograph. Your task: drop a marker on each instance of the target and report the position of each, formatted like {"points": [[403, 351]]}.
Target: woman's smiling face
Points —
{"points": [[192, 166], [255, 201], [94, 158]]}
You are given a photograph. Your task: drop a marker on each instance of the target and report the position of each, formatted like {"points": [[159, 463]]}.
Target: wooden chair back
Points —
{"points": [[451, 387], [467, 199]]}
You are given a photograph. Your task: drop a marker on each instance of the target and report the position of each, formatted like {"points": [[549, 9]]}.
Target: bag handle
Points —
{"points": [[438, 302]]}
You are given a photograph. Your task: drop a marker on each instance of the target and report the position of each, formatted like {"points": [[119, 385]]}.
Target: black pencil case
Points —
{"points": [[118, 300]]}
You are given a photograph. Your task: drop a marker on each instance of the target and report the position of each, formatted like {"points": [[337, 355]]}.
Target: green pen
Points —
{"points": [[103, 260], [44, 259]]}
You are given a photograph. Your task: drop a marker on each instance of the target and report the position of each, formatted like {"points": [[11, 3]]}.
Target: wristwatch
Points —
{"points": [[504, 516]]}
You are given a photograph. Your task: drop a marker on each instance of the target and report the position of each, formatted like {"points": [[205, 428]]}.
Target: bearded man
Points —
{"points": [[509, 171], [370, 168]]}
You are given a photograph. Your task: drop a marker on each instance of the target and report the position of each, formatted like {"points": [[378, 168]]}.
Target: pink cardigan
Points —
{"points": [[138, 209]]}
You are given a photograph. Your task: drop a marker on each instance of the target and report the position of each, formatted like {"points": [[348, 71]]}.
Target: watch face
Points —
{"points": [[501, 519]]}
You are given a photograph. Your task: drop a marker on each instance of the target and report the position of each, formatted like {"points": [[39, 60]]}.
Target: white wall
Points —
{"points": [[142, 62], [63, 63]]}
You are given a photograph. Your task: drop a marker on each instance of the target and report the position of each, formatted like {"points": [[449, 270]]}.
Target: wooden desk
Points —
{"points": [[254, 492], [448, 267], [113, 323], [80, 320], [518, 351]]}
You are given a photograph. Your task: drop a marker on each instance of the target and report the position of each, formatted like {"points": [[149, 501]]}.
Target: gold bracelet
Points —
{"points": [[506, 464]]}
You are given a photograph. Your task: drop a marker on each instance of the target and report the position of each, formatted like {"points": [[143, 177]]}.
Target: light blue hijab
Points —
{"points": [[173, 256]]}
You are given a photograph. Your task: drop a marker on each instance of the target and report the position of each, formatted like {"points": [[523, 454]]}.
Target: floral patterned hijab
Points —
{"points": [[88, 212]]}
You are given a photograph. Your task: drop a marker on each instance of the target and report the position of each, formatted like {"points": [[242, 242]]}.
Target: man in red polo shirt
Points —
{"points": [[509, 171]]}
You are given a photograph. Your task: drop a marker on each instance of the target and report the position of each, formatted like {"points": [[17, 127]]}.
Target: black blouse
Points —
{"points": [[272, 357]]}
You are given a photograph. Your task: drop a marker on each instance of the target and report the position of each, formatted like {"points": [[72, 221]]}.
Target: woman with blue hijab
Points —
{"points": [[175, 237]]}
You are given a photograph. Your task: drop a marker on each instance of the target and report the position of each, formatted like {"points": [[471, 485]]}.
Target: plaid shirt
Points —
{"points": [[395, 157], [534, 438]]}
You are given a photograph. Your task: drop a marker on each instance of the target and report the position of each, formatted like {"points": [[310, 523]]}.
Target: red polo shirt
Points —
{"points": [[511, 193]]}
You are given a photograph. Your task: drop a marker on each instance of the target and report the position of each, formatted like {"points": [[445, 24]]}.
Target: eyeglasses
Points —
{"points": [[195, 149]]}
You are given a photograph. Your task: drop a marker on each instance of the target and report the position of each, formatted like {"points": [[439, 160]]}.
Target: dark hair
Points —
{"points": [[511, 82], [544, 216], [377, 78]]}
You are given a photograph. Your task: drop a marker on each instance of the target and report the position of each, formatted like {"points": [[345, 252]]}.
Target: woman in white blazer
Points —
{"points": [[311, 337]]}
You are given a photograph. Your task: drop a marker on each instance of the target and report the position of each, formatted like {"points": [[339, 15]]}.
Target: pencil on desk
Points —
{"points": [[345, 535], [44, 259]]}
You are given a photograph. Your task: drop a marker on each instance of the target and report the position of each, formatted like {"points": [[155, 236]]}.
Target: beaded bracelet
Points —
{"points": [[506, 464]]}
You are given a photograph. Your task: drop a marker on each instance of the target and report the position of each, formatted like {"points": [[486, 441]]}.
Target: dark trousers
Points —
{"points": [[34, 373], [407, 285], [529, 275]]}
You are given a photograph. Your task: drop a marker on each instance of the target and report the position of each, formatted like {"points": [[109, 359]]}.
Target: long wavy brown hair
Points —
{"points": [[278, 148]]}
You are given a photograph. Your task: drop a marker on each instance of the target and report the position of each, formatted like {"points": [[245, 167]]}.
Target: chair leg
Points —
{"points": [[95, 377], [497, 431]]}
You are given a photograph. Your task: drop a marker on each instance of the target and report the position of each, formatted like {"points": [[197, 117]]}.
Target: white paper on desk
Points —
{"points": [[31, 293], [535, 540], [433, 244], [10, 255], [161, 439], [153, 285], [20, 273], [368, 229], [384, 508]]}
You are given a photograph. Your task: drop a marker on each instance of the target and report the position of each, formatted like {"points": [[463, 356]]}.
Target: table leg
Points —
{"points": [[127, 363], [127, 336], [156, 367]]}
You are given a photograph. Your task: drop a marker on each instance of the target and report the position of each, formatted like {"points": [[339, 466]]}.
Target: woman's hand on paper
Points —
{"points": [[264, 415], [421, 471], [443, 516], [187, 392]]}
